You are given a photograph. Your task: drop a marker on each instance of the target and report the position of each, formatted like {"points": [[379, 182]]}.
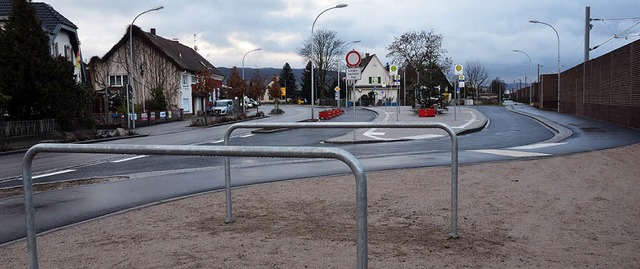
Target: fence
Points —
{"points": [[606, 88], [318, 125], [111, 120], [236, 151], [18, 128]]}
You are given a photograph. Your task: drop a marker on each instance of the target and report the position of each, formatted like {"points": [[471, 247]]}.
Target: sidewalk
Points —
{"points": [[461, 119]]}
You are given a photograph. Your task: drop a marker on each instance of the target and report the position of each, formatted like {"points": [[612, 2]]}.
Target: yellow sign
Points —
{"points": [[283, 91], [458, 69]]}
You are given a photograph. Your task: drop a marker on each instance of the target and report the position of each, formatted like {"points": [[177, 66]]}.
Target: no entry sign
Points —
{"points": [[353, 58]]}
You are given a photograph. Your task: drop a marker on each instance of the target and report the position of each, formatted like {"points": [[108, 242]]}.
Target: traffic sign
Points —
{"points": [[354, 73], [459, 69], [353, 58], [337, 89], [393, 70]]}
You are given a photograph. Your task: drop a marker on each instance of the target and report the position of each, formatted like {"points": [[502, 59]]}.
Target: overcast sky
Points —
{"points": [[487, 31]]}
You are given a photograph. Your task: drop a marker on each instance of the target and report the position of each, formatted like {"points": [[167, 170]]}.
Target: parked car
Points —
{"points": [[222, 107], [250, 102]]}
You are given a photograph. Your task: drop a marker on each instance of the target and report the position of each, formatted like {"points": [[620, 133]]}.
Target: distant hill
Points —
{"points": [[265, 72]]}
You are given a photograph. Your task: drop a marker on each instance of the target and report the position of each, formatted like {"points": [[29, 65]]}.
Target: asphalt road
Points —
{"points": [[155, 178]]}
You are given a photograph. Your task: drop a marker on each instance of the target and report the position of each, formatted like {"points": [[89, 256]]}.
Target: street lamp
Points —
{"points": [[131, 67], [244, 105], [312, 45], [558, 36], [530, 76]]}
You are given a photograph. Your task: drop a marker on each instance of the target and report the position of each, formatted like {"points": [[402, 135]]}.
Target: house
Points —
{"points": [[375, 84], [159, 64], [63, 34]]}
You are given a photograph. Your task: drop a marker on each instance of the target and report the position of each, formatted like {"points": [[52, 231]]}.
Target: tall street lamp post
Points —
{"points": [[244, 105], [312, 56], [131, 68], [530, 76], [558, 36]]}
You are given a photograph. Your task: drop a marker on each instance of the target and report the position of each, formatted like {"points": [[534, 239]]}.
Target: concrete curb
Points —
{"points": [[560, 132]]}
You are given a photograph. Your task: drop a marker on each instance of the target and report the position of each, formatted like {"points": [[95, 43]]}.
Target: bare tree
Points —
{"points": [[327, 48], [475, 76], [159, 73], [416, 51]]}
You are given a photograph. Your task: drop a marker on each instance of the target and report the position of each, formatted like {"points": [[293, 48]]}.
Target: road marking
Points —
{"points": [[538, 146], [53, 173], [425, 136], [371, 133], [247, 135], [469, 122], [129, 159], [217, 141], [511, 153]]}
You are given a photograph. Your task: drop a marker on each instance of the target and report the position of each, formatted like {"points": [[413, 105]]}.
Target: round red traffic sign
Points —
{"points": [[353, 58]]}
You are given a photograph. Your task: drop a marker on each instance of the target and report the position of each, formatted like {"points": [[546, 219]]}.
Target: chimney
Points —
{"points": [[153, 31], [366, 55]]}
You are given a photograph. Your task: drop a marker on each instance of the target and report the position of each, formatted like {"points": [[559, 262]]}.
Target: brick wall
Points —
{"points": [[606, 88]]}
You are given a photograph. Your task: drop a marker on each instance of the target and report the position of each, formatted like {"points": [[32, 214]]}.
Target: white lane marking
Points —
{"points": [[469, 122], [371, 133], [53, 173], [511, 153], [247, 135], [538, 146], [217, 141], [425, 136], [129, 159]]}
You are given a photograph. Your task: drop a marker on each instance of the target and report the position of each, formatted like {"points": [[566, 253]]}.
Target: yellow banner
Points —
{"points": [[283, 91]]}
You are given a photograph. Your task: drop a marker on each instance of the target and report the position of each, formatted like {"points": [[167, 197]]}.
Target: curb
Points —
{"points": [[560, 132]]}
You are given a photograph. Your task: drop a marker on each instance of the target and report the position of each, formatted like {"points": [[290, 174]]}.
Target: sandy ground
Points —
{"points": [[575, 211]]}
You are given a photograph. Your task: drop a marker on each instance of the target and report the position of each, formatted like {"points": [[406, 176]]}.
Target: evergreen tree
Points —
{"points": [[24, 62], [38, 85], [288, 79], [306, 83]]}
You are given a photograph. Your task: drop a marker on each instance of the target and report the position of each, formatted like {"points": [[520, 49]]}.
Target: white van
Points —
{"points": [[222, 107]]}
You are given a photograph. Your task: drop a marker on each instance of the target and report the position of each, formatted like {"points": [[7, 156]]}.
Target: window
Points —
{"points": [[118, 80], [374, 80], [185, 77]]}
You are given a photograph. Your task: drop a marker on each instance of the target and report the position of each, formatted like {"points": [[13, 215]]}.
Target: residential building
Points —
{"points": [[375, 84], [63, 34], [159, 64]]}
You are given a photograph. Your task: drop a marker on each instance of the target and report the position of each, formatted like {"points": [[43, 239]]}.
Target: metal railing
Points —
{"points": [[319, 125], [17, 128], [234, 151]]}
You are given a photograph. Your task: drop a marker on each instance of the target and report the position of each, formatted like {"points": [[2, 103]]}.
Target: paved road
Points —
{"points": [[68, 206]]}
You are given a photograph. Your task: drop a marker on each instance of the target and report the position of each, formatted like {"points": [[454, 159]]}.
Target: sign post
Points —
{"points": [[354, 73]]}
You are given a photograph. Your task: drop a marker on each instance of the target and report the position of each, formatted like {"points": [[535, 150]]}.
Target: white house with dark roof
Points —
{"points": [[374, 79], [63, 35], [159, 63]]}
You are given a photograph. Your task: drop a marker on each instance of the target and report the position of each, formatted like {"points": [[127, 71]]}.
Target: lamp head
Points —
{"points": [[341, 5], [534, 21], [157, 8]]}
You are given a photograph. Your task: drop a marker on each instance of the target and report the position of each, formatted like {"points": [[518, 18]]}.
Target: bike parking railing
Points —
{"points": [[233, 151], [336, 125]]}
